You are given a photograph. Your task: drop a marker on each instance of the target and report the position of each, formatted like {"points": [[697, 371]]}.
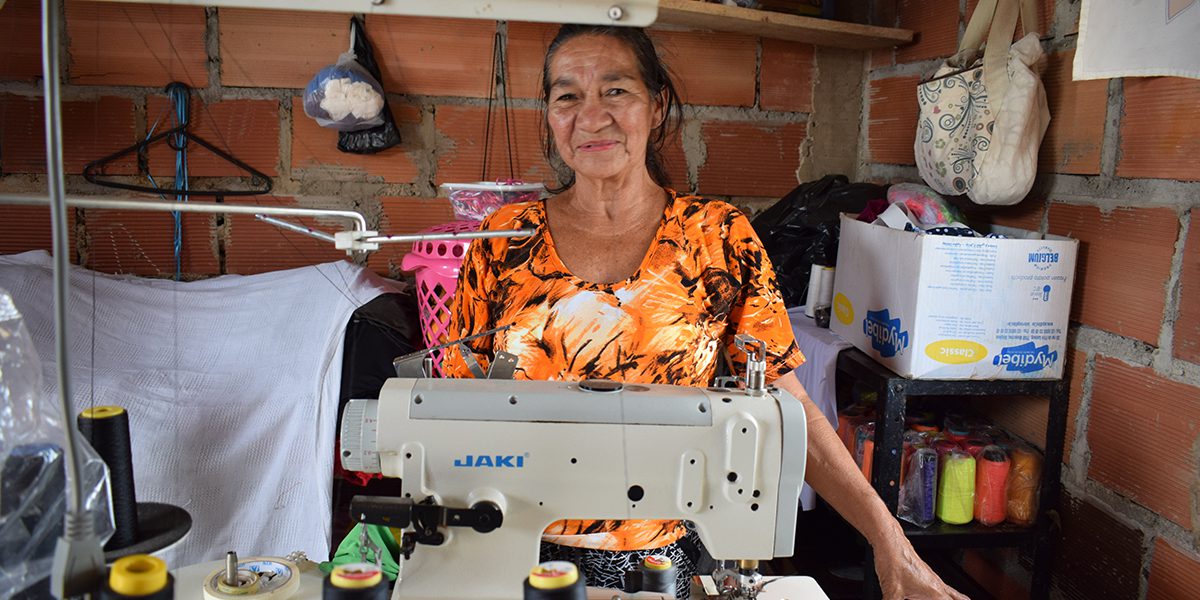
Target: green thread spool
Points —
{"points": [[956, 488]]}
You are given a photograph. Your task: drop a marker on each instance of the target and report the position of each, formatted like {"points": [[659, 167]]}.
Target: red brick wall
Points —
{"points": [[1118, 171], [748, 99]]}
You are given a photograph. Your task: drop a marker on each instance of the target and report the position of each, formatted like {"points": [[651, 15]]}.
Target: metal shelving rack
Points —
{"points": [[893, 392]]}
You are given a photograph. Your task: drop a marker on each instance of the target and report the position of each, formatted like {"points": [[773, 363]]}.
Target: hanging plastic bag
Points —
{"points": [[344, 96], [32, 481], [381, 136]]}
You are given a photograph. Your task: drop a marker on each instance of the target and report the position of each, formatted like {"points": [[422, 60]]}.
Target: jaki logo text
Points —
{"points": [[495, 461], [1043, 258], [1026, 358], [887, 335]]}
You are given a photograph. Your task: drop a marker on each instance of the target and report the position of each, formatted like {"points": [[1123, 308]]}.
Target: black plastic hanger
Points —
{"points": [[91, 171]]}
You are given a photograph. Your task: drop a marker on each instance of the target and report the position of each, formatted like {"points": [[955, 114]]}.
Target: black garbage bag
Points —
{"points": [[379, 137], [802, 229]]}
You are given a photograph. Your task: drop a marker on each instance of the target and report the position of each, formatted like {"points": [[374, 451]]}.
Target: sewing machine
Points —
{"points": [[487, 465]]}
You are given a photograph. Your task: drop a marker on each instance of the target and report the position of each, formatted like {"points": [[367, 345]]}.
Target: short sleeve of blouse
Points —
{"points": [[759, 309]]}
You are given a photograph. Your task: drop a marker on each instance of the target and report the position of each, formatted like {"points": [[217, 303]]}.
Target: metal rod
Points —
{"points": [[464, 235], [58, 221], [320, 235], [231, 568], [360, 221]]}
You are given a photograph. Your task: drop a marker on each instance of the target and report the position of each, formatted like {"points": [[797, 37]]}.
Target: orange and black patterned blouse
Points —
{"points": [[704, 279]]}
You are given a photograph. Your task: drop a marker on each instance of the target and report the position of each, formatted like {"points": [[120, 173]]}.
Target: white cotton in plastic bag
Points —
{"points": [[344, 96]]}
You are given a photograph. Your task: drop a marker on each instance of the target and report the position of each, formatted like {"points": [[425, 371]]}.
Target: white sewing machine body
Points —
{"points": [[730, 461]]}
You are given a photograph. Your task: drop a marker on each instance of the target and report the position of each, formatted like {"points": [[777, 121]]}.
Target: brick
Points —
{"points": [[143, 243], [751, 159], [1155, 141], [136, 44], [883, 58], [709, 68], [1187, 326], [1123, 264], [433, 57], [314, 149], [279, 49], [403, 215], [1142, 432], [24, 228], [1024, 215], [246, 129], [787, 76], [1077, 109], [461, 152], [21, 40], [252, 246], [1025, 416], [527, 44], [1097, 557], [92, 129], [1045, 11], [935, 23], [892, 125], [1174, 574]]}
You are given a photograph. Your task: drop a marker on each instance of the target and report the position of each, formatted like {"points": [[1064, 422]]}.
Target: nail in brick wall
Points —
{"points": [[710, 68], [751, 159], [21, 40], [1141, 433], [1098, 557], [1174, 574], [1077, 109], [135, 44], [406, 215], [315, 154], [1187, 326], [143, 243], [787, 76], [1158, 139], [1123, 265], [92, 129], [252, 246], [279, 49], [892, 127], [246, 129], [433, 57]]}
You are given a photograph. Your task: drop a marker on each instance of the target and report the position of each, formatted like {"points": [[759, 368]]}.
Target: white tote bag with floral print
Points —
{"points": [[983, 116]]}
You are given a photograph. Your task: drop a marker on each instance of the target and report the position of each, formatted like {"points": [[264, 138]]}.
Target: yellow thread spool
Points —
{"points": [[956, 489], [138, 575], [102, 412]]}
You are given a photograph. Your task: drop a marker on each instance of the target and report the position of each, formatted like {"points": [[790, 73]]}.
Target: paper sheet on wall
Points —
{"points": [[1140, 38]]}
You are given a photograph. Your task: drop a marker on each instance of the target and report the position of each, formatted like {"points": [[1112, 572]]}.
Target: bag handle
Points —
{"points": [[983, 16]]}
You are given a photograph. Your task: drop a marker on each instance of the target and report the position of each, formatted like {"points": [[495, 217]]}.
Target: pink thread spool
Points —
{"points": [[436, 265]]}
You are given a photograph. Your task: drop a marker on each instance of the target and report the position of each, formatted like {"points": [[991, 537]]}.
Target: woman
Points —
{"points": [[626, 279]]}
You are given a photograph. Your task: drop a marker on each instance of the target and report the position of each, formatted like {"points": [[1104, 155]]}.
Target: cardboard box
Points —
{"points": [[947, 307]]}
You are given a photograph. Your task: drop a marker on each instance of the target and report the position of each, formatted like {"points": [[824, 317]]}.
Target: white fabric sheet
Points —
{"points": [[231, 385], [821, 348], [1119, 38]]}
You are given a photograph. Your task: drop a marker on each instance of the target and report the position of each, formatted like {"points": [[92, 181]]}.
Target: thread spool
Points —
{"points": [[864, 447], [956, 488], [991, 486], [555, 580], [918, 499], [106, 428], [975, 445], [258, 578], [848, 421], [355, 581], [946, 446], [139, 576], [658, 575], [1024, 480]]}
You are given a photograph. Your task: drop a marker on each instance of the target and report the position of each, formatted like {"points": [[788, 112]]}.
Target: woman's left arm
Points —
{"points": [[834, 475]]}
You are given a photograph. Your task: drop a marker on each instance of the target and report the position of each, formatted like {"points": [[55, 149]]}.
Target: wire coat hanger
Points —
{"points": [[177, 138]]}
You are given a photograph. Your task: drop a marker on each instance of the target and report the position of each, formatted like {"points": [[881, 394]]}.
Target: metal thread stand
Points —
{"points": [[893, 392]]}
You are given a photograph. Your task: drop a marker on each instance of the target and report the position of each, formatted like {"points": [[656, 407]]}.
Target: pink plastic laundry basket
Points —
{"points": [[436, 266]]}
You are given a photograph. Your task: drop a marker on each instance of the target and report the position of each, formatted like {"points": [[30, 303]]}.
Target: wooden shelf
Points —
{"points": [[693, 14]]}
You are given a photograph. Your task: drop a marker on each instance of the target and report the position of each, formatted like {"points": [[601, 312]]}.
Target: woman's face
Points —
{"points": [[599, 111]]}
